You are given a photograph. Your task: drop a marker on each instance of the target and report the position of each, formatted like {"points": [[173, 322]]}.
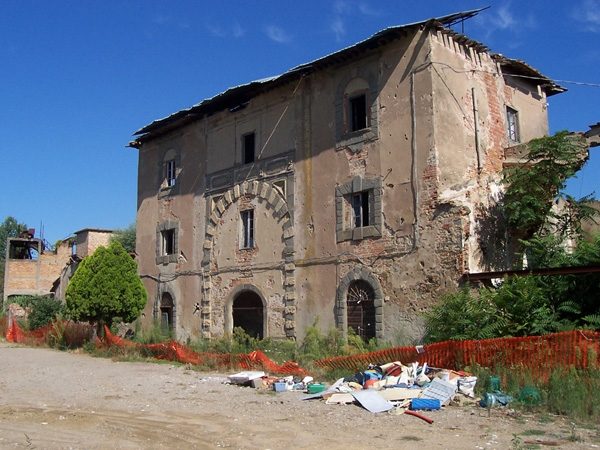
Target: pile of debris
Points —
{"points": [[392, 387]]}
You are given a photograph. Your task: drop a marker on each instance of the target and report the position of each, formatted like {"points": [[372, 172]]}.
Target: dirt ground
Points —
{"points": [[51, 399]]}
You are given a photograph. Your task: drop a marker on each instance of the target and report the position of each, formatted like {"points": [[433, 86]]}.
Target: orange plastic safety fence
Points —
{"points": [[580, 349], [33, 337], [174, 351]]}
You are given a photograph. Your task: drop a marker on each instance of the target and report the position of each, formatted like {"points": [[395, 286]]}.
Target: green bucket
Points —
{"points": [[315, 388]]}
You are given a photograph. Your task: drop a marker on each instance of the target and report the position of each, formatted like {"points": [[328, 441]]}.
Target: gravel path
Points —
{"points": [[59, 400]]}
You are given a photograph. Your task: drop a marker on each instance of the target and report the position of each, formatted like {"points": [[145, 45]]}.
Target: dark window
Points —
{"points": [[247, 228], [248, 145], [168, 241], [358, 112], [170, 172], [512, 119], [360, 209], [361, 309]]}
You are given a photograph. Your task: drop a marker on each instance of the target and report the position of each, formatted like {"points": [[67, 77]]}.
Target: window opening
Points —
{"points": [[361, 309], [513, 124], [168, 242], [360, 209], [247, 313], [247, 228], [248, 145], [170, 172], [358, 112]]}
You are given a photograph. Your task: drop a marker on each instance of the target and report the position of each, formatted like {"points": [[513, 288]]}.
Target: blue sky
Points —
{"points": [[78, 77]]}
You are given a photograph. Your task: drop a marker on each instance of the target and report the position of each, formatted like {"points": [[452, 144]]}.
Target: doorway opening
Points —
{"points": [[248, 313], [166, 312]]}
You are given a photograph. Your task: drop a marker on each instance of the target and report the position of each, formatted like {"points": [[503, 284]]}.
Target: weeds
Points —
{"points": [[567, 391]]}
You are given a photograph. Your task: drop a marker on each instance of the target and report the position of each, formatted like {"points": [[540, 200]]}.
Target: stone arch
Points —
{"points": [[341, 306], [230, 309], [279, 208]]}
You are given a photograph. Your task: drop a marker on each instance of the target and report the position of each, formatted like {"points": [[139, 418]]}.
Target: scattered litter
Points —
{"points": [[441, 390], [393, 387], [425, 404], [419, 415], [340, 398], [496, 398], [245, 377], [372, 401]]}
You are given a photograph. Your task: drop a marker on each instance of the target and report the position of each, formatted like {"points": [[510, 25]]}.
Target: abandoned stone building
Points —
{"points": [[32, 269], [346, 190]]}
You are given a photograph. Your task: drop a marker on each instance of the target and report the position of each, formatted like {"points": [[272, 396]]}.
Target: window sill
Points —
{"points": [[167, 191], [356, 234], [166, 259], [355, 139]]}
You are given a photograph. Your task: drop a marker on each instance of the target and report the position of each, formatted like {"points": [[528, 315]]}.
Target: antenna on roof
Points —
{"points": [[454, 19]]}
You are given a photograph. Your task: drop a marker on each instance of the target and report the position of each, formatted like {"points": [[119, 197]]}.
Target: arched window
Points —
{"points": [[356, 105], [361, 309]]}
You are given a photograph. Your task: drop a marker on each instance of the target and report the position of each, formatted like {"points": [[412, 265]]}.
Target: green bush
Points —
{"points": [[42, 309]]}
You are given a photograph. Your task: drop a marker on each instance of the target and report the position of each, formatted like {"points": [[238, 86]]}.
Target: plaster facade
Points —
{"points": [[371, 169]]}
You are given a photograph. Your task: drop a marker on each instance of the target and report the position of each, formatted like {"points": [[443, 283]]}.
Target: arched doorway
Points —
{"points": [[248, 313], [166, 312], [360, 303]]}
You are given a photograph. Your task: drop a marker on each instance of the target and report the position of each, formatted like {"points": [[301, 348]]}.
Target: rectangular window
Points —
{"points": [[358, 112], [247, 217], [512, 119], [168, 242], [170, 172], [360, 209], [248, 145]]}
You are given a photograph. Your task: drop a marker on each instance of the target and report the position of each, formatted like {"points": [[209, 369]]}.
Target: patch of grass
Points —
{"points": [[411, 438], [533, 432]]}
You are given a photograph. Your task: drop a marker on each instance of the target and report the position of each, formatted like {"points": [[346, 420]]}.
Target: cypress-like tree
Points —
{"points": [[106, 285]]}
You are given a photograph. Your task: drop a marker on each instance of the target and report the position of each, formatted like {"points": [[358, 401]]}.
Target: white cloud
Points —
{"points": [[234, 30], [338, 28], [341, 7], [367, 10], [588, 13], [277, 34], [503, 19], [237, 30]]}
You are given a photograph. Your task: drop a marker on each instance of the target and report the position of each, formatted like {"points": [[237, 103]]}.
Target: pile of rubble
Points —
{"points": [[393, 387]]}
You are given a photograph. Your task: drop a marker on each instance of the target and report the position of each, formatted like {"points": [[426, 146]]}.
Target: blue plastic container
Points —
{"points": [[425, 403], [279, 386]]}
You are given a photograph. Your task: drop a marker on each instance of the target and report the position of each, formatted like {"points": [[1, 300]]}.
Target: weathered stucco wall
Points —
{"points": [[429, 159]]}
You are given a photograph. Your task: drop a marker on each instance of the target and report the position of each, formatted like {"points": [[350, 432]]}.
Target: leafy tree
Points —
{"points": [[533, 186], [8, 229], [105, 286], [126, 237]]}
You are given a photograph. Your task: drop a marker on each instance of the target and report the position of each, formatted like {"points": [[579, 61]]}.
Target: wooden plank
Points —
{"points": [[397, 394], [340, 398]]}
